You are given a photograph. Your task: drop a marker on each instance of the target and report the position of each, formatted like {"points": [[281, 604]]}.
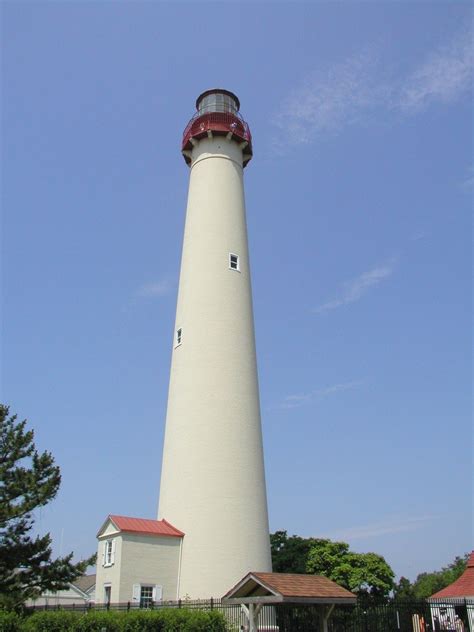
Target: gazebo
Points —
{"points": [[256, 590], [455, 598]]}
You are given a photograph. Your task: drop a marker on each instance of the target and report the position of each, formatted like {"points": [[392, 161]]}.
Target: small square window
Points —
{"points": [[234, 263], [179, 336]]}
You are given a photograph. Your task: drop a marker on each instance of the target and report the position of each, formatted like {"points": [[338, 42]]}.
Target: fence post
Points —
{"points": [[212, 603], [179, 603], [128, 606]]}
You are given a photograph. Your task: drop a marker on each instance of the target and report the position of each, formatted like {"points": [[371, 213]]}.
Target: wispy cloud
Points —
{"points": [[355, 289], [444, 76], [300, 399], [386, 527], [154, 289], [418, 235], [469, 179], [330, 99], [348, 92]]}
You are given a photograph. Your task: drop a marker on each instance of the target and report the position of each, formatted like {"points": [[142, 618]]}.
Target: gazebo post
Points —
{"points": [[252, 622], [245, 610], [325, 614], [251, 612]]}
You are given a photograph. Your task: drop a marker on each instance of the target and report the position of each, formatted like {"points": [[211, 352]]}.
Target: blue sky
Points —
{"points": [[359, 202]]}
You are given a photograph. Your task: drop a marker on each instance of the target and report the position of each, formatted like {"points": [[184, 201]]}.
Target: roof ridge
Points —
{"points": [[132, 517], [145, 526]]}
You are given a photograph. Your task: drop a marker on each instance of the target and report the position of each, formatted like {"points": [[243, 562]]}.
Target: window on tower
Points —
{"points": [[179, 336], [234, 263]]}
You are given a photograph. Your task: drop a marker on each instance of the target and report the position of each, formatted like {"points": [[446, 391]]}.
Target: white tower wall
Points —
{"points": [[212, 480]]}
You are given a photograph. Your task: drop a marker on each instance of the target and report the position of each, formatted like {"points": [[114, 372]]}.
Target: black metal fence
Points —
{"points": [[392, 616]]}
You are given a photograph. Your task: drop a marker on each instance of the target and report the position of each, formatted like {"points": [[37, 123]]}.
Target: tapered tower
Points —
{"points": [[212, 479]]}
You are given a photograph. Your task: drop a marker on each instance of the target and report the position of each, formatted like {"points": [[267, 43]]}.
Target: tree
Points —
{"points": [[367, 574], [404, 589], [28, 480], [426, 584], [289, 554]]}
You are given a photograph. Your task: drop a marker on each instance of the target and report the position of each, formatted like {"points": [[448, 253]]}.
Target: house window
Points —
{"points": [[179, 336], [146, 596], [234, 263], [109, 553]]}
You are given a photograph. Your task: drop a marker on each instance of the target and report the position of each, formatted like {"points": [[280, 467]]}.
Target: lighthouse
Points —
{"points": [[212, 479]]}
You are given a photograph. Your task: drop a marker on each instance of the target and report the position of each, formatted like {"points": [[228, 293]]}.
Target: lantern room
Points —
{"points": [[217, 114]]}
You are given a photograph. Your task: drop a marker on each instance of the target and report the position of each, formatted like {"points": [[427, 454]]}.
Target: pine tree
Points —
{"points": [[28, 480]]}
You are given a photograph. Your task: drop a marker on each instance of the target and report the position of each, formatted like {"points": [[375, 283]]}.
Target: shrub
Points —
{"points": [[174, 620], [143, 621], [59, 621], [9, 622], [97, 621], [162, 620]]}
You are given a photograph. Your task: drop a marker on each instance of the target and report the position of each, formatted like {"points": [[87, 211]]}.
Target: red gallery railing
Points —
{"points": [[219, 123]]}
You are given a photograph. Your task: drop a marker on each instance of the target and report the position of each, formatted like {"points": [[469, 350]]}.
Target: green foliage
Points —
{"points": [[289, 554], [175, 620], [363, 573], [28, 480], [426, 584], [143, 621], [10, 622], [404, 590], [163, 620], [367, 574], [59, 621], [97, 621]]}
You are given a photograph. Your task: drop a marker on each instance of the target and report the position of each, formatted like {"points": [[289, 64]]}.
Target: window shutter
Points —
{"points": [[136, 592], [112, 557], [157, 593], [104, 549]]}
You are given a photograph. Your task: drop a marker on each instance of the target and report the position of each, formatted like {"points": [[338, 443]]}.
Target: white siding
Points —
{"points": [[108, 574], [109, 529], [212, 479], [149, 560], [62, 597]]}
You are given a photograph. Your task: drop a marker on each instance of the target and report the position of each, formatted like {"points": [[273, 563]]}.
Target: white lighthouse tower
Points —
{"points": [[212, 479]]}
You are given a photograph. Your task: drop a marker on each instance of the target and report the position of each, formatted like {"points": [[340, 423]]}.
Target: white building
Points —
{"points": [[137, 561], [80, 592]]}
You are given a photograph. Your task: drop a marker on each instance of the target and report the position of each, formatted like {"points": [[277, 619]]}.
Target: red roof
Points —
{"points": [[463, 586], [146, 527]]}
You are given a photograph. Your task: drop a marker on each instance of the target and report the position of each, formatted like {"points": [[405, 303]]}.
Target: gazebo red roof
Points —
{"points": [[288, 587], [462, 587]]}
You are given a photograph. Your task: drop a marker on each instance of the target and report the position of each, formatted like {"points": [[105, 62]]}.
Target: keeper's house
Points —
{"points": [[138, 561]]}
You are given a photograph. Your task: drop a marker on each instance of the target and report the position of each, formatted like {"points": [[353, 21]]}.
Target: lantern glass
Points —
{"points": [[217, 102]]}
